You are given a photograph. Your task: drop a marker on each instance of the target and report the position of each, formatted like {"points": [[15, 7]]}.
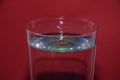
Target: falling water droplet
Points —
{"points": [[60, 27]]}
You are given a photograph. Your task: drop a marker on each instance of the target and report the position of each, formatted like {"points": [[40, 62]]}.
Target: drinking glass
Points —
{"points": [[61, 48]]}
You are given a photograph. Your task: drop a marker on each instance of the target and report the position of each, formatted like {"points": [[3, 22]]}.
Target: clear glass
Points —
{"points": [[61, 49]]}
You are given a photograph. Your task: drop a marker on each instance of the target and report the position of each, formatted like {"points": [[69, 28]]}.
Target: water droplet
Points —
{"points": [[60, 28]]}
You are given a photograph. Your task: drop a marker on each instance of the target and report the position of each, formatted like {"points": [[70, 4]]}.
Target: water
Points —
{"points": [[68, 44], [53, 58]]}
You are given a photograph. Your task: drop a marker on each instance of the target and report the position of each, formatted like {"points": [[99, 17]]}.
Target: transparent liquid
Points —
{"points": [[67, 44], [66, 59]]}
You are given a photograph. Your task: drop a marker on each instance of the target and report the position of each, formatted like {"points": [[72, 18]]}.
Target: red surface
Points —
{"points": [[14, 14]]}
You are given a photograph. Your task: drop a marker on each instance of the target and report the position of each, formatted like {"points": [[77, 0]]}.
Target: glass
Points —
{"points": [[61, 49]]}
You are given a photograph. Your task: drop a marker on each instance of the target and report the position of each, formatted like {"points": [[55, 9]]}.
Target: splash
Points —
{"points": [[60, 27]]}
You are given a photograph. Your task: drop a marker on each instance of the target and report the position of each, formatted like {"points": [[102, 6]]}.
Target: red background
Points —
{"points": [[14, 14]]}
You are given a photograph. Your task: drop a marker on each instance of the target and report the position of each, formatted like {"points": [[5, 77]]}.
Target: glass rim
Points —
{"points": [[58, 18]]}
